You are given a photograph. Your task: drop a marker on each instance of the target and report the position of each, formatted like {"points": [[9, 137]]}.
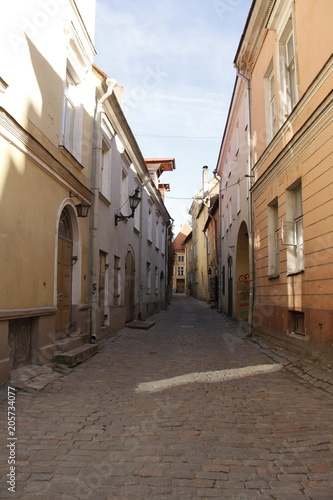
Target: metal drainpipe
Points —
{"points": [[93, 240], [250, 208], [141, 263]]}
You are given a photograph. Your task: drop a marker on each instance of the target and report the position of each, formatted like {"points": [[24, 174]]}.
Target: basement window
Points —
{"points": [[297, 323]]}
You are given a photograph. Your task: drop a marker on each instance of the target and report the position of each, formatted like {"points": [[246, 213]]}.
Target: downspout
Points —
{"points": [[249, 176], [95, 182], [141, 251]]}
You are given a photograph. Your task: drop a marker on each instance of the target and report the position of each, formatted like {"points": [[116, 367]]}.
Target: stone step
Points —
{"points": [[69, 343], [76, 355]]}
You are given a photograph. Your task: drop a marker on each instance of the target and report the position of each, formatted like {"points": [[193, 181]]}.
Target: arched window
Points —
{"points": [[65, 226]]}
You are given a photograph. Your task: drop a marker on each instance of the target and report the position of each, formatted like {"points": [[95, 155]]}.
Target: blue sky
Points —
{"points": [[175, 61]]}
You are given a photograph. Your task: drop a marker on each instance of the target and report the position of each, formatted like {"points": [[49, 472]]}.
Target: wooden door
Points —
{"points": [[64, 278]]}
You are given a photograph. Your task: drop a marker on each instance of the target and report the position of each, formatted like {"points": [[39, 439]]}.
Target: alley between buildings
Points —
{"points": [[190, 408]]}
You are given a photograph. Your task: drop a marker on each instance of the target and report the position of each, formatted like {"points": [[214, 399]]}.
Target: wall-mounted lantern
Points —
{"points": [[134, 201], [82, 209]]}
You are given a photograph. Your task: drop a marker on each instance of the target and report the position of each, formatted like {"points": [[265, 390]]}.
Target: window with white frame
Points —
{"points": [[288, 80], [105, 179], [180, 271], [270, 103], [273, 239], [181, 258], [292, 229], [70, 113]]}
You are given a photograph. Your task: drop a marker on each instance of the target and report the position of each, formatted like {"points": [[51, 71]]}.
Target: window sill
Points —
{"points": [[104, 199], [295, 273], [273, 276], [70, 157]]}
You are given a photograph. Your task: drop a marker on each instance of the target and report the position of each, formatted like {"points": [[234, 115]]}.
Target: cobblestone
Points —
{"points": [[191, 408]]}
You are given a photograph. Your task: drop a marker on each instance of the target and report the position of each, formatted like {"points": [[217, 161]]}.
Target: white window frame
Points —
{"points": [[181, 271], [292, 229], [273, 239], [288, 76], [270, 103]]}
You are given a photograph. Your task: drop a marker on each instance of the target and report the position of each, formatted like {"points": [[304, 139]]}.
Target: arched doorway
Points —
{"points": [[64, 275], [242, 274], [129, 286]]}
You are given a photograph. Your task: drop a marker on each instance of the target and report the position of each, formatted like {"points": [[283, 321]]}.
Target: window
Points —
{"points": [[270, 103], [180, 258], [297, 323], [180, 271], [288, 83], [237, 139], [69, 113], [273, 239], [72, 114], [105, 187], [292, 229]]}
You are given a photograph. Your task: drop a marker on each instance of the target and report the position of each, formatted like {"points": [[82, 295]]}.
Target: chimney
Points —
{"points": [[204, 181]]}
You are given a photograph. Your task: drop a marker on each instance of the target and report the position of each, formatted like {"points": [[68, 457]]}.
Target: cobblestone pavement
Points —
{"points": [[189, 409]]}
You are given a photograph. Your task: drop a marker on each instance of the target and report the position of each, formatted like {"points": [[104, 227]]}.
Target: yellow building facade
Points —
{"points": [[288, 61]]}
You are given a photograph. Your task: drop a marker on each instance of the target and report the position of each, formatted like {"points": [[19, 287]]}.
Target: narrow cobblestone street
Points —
{"points": [[187, 409]]}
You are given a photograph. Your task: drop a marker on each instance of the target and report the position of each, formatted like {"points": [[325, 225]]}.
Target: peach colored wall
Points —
{"points": [[258, 102], [313, 38]]}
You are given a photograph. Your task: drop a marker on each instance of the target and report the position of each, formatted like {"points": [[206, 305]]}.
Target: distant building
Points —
{"points": [[234, 174], [179, 260], [200, 212]]}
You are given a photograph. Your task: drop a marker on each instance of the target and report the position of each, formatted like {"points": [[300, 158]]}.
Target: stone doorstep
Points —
{"points": [[140, 325], [69, 343], [75, 356]]}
